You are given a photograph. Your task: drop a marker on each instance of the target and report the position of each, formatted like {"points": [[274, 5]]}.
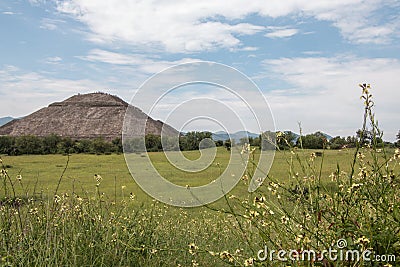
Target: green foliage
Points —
{"points": [[306, 202], [29, 144], [351, 141], [285, 140], [101, 146], [315, 141], [255, 141], [153, 143], [50, 144], [54, 144], [249, 140], [7, 145], [228, 144], [360, 206], [219, 143], [337, 142], [191, 140]]}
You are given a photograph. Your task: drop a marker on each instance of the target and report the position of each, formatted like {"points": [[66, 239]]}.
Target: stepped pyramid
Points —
{"points": [[84, 116]]}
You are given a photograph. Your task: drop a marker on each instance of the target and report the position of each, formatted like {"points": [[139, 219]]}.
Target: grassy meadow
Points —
{"points": [[41, 173], [62, 215]]}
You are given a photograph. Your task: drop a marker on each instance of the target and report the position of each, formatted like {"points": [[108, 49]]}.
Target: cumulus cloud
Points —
{"points": [[187, 26], [174, 26]]}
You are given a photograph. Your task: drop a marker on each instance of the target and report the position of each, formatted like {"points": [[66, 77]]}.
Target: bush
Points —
{"points": [[7, 145], [29, 144], [312, 141]]}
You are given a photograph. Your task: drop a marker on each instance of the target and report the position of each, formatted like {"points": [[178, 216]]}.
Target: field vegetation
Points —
{"points": [[86, 210]]}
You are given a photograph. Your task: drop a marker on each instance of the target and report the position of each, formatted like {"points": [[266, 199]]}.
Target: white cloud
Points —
{"points": [[98, 55], [324, 92], [24, 92], [53, 60], [312, 53], [249, 48], [36, 2], [8, 13], [187, 26], [175, 26], [142, 63], [50, 24], [281, 32], [363, 21]]}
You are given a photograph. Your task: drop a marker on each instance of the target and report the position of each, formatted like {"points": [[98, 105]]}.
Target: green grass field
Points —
{"points": [[41, 173], [89, 225]]}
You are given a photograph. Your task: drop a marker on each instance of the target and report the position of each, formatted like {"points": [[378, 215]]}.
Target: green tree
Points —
{"points": [[101, 146], [219, 143], [191, 140], [153, 143], [286, 139], [337, 142], [254, 141], [364, 137], [66, 145], [351, 141], [50, 144], [228, 144], [28, 144], [83, 146], [316, 140], [117, 145], [7, 145]]}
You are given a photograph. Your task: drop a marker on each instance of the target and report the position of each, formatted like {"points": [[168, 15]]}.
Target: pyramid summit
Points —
{"points": [[83, 116]]}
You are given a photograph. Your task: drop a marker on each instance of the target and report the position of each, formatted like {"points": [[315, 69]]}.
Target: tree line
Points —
{"points": [[154, 143], [318, 140], [54, 144]]}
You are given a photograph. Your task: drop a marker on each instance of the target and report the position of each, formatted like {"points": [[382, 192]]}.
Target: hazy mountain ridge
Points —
{"points": [[5, 120]]}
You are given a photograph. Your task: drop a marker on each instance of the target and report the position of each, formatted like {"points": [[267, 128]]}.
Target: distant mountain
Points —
{"points": [[296, 136], [5, 120], [327, 136], [221, 135]]}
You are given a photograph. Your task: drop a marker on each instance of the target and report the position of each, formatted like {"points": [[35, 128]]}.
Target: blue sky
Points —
{"points": [[307, 57]]}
